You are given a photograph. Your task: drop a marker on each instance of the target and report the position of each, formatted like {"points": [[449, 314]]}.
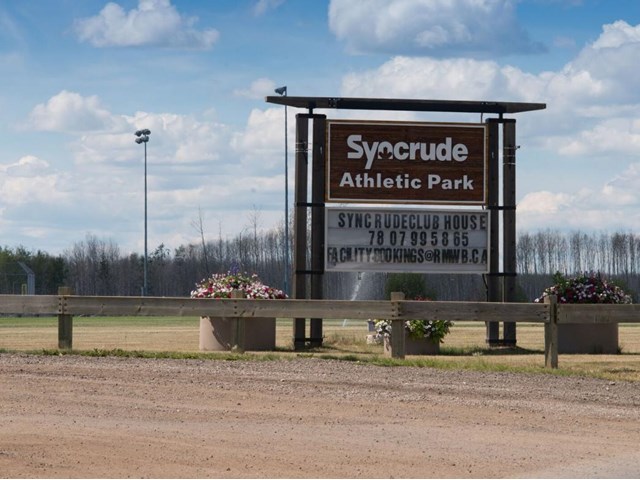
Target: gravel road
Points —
{"points": [[83, 417]]}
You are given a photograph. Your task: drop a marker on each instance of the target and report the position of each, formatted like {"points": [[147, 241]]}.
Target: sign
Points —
{"points": [[406, 240], [393, 162]]}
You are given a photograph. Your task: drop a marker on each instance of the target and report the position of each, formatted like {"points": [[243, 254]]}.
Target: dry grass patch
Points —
{"points": [[464, 348]]}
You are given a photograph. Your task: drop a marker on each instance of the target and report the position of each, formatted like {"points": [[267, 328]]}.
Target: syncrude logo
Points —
{"points": [[401, 151]]}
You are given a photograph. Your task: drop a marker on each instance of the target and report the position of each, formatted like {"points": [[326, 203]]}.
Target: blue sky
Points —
{"points": [[78, 78]]}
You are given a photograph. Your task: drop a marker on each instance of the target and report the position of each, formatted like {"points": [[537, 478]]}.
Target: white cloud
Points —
{"points": [[430, 27], [261, 145], [624, 189], [27, 166], [598, 76], [154, 22], [183, 153], [21, 190], [258, 89], [467, 79], [592, 102], [543, 202], [263, 6], [616, 136], [186, 148], [613, 206], [27, 181], [192, 163], [613, 61], [617, 34], [105, 137], [406, 77], [70, 112]]}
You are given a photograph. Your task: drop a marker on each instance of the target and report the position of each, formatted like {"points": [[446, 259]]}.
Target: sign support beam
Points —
{"points": [[493, 201], [509, 148], [300, 225], [317, 223], [309, 270], [501, 285]]}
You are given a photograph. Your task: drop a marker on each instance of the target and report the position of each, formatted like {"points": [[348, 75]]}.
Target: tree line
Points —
{"points": [[95, 266]]}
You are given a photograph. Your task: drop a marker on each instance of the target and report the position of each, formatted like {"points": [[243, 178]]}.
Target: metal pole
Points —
{"points": [[144, 288], [143, 137], [283, 91], [286, 205]]}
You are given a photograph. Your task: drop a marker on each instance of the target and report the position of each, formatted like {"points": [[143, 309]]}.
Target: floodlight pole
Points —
{"points": [[143, 137], [145, 290], [283, 91]]}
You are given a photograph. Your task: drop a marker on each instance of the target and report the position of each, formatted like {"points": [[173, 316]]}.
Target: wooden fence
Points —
{"points": [[397, 310]]}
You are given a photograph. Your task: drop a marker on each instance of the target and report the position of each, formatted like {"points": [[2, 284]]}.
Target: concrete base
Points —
{"points": [[216, 334], [413, 346], [588, 338]]}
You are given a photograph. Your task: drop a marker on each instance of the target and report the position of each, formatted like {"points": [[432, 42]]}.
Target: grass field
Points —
{"points": [[464, 347]]}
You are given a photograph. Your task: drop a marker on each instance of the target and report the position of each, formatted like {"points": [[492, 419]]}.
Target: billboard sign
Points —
{"points": [[404, 162], [406, 240]]}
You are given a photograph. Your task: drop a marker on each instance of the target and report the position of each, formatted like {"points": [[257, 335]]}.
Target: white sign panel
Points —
{"points": [[406, 240]]}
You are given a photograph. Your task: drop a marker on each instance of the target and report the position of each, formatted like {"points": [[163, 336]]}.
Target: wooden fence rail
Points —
{"points": [[550, 313]]}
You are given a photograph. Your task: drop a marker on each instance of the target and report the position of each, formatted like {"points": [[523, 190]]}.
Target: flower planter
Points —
{"points": [[413, 346], [216, 334], [588, 338], [587, 288]]}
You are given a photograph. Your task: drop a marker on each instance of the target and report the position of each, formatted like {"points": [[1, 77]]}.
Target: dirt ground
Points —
{"points": [[81, 417]]}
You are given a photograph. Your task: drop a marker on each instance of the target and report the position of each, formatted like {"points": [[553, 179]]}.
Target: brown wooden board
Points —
{"points": [[29, 304], [406, 162], [598, 313]]}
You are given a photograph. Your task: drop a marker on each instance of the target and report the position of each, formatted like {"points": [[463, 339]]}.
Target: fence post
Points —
{"points": [[238, 327], [551, 333], [65, 322], [397, 330]]}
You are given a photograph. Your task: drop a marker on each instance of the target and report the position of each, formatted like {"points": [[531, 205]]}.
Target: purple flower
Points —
{"points": [[221, 285]]}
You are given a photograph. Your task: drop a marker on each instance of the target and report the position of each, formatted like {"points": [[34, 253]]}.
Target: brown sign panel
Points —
{"points": [[404, 162]]}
